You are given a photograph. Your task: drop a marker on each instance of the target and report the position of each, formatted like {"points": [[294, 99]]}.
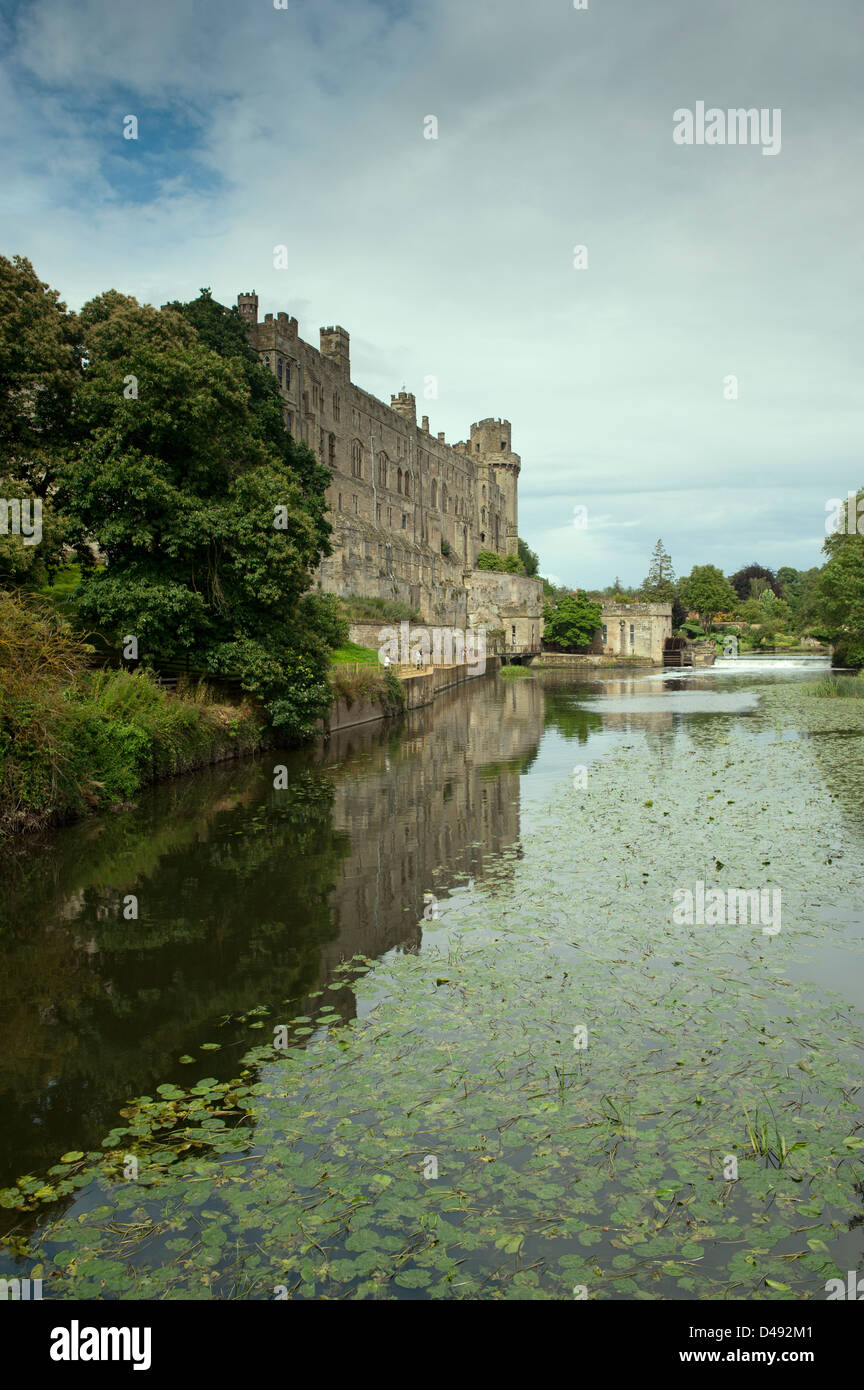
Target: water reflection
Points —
{"points": [[245, 896]]}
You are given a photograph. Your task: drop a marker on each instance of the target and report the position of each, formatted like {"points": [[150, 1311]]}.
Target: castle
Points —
{"points": [[410, 513]]}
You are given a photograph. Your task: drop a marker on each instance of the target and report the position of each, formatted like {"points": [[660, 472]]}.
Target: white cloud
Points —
{"points": [[454, 257]]}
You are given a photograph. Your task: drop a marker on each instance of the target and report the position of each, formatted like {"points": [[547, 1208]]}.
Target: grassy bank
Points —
{"points": [[74, 740]]}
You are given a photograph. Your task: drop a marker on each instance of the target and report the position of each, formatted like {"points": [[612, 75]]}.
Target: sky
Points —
{"points": [[699, 379]]}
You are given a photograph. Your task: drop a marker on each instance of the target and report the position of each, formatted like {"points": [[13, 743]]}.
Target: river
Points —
{"points": [[426, 1024]]}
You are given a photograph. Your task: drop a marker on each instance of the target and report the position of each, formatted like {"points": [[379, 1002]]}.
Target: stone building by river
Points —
{"points": [[410, 512]]}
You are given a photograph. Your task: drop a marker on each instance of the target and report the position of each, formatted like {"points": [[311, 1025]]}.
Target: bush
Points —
{"points": [[74, 740]]}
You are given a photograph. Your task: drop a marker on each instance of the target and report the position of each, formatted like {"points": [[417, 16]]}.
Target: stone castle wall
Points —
{"points": [[410, 512]]}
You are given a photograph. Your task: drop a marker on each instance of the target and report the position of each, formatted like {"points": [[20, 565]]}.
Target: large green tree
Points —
{"points": [[841, 595], [707, 590], [40, 370], [209, 518], [571, 620]]}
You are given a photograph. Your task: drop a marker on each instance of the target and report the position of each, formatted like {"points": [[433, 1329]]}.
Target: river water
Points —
{"points": [[438, 913]]}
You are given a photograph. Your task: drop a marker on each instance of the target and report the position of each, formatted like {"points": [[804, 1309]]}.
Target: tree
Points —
{"points": [[209, 517], [499, 564], [488, 560], [661, 576], [841, 595], [40, 370], [529, 558], [572, 620], [707, 590], [742, 581]]}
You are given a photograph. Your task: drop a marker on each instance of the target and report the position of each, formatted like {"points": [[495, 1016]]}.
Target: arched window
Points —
{"points": [[399, 480], [484, 492], [434, 495], [482, 516], [383, 461], [331, 450], [357, 458]]}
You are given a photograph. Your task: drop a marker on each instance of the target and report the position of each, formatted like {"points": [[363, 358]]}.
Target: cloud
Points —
{"points": [[454, 257]]}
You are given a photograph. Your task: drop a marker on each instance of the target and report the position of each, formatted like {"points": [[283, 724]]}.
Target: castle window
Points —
{"points": [[632, 635], [482, 537], [287, 375], [354, 500], [340, 501], [279, 369], [389, 516], [382, 469], [605, 634], [404, 521], [357, 459], [335, 405], [434, 495], [331, 450], [399, 480], [288, 421], [484, 492], [482, 516], [378, 512], [477, 448], [503, 446]]}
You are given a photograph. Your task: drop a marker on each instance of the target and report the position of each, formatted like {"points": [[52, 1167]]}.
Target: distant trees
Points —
{"points": [[707, 590], [841, 595], [752, 580]]}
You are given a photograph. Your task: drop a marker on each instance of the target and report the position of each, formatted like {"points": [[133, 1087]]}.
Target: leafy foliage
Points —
{"points": [[707, 590], [572, 620], [209, 517]]}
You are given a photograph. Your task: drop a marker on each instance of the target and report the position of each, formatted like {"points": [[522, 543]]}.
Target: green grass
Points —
{"points": [[514, 673], [833, 687], [59, 591], [351, 651]]}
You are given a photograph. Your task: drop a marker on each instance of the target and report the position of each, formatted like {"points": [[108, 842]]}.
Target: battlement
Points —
{"points": [[336, 345], [490, 437], [284, 324], [405, 405], [248, 307]]}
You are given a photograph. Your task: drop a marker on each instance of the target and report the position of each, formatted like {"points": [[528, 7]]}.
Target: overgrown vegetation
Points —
{"points": [[372, 684], [74, 740], [372, 610], [838, 687]]}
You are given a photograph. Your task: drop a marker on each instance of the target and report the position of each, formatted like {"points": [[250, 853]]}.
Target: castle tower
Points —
{"points": [[248, 306], [490, 445], [405, 405], [335, 345]]}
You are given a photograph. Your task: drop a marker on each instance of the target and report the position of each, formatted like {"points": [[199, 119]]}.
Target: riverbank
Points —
{"points": [[547, 1092]]}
